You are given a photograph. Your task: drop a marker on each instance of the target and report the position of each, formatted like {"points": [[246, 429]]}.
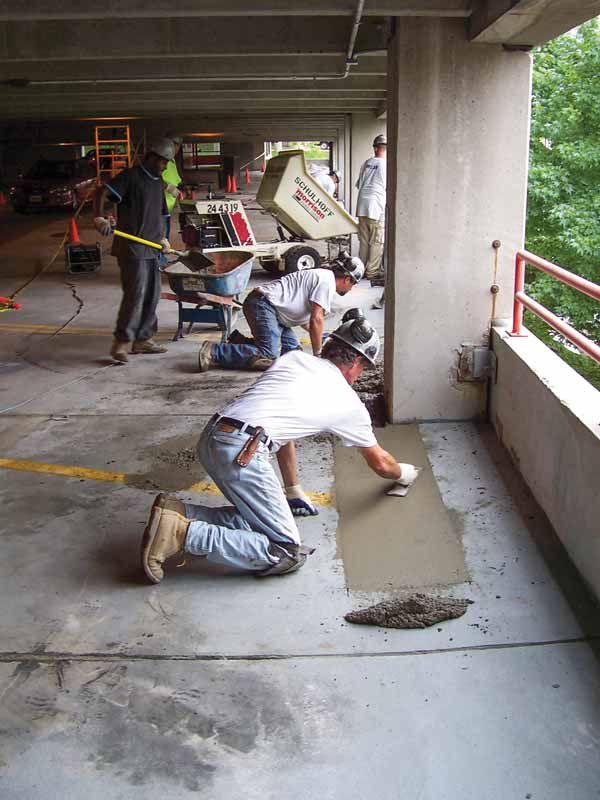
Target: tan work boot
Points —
{"points": [[164, 535], [205, 361], [261, 363], [119, 351], [147, 347]]}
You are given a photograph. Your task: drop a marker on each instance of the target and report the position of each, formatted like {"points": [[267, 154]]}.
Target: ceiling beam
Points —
{"points": [[12, 10], [527, 22]]}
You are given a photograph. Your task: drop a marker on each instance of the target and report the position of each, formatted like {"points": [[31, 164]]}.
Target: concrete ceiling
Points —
{"points": [[249, 62]]}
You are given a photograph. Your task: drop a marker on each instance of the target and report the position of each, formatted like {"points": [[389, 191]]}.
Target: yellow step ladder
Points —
{"points": [[113, 150]]}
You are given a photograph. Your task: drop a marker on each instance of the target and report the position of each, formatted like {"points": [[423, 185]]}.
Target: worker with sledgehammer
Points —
{"points": [[299, 396], [273, 309], [142, 211]]}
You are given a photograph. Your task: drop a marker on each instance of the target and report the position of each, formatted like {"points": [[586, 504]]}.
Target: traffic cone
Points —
{"points": [[73, 232], [233, 184], [247, 176], [228, 189]]}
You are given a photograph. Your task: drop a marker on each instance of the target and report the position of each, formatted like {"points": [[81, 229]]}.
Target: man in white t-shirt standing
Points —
{"points": [[299, 396], [272, 310], [370, 208]]}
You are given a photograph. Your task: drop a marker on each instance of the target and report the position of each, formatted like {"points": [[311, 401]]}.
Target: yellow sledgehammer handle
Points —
{"points": [[137, 239]]}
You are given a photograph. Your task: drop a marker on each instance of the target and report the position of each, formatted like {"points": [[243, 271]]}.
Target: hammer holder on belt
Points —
{"points": [[250, 447]]}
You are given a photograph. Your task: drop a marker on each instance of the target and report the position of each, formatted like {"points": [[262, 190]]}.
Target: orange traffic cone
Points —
{"points": [[73, 232], [247, 176], [233, 184], [228, 189]]}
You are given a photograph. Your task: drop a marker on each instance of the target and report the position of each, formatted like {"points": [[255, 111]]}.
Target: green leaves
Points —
{"points": [[563, 221]]}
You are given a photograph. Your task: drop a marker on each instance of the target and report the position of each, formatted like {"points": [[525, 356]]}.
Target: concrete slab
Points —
{"points": [[440, 727]]}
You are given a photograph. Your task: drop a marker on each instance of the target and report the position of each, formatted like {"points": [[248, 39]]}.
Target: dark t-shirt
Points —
{"points": [[141, 211]]}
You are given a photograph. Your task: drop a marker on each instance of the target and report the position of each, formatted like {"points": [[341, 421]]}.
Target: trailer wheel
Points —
{"points": [[301, 257]]}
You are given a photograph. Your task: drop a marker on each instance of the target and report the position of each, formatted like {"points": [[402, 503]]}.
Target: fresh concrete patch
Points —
{"points": [[392, 542]]}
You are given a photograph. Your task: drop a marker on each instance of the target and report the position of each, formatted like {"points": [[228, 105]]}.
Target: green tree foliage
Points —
{"points": [[563, 220]]}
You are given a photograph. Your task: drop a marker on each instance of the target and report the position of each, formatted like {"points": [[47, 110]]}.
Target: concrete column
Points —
{"points": [[458, 132]]}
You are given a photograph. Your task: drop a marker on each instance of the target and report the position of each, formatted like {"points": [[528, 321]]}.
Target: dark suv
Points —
{"points": [[54, 185]]}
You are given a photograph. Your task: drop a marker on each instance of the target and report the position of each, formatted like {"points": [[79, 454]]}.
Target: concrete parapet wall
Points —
{"points": [[548, 417]]}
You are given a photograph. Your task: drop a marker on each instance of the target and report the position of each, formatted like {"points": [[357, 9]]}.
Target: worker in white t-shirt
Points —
{"points": [[272, 310], [370, 208], [299, 396], [329, 181]]}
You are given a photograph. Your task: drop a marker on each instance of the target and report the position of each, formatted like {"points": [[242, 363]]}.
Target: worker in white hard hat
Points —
{"points": [[370, 208], [328, 180], [142, 211], [299, 396], [273, 309]]}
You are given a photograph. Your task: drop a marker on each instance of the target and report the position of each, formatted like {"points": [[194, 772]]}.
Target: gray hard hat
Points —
{"points": [[361, 336], [176, 138], [380, 140], [349, 265], [163, 147], [353, 313]]}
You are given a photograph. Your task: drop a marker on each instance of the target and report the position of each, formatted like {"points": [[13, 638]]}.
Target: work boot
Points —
{"points": [[205, 360], [164, 535], [119, 351], [236, 337], [378, 279], [147, 347], [291, 558], [261, 363]]}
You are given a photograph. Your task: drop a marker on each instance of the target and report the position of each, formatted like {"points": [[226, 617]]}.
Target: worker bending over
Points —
{"points": [[272, 310], [370, 208], [142, 211], [299, 396]]}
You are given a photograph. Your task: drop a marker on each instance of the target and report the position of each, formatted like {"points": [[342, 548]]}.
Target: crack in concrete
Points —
{"points": [[49, 657]]}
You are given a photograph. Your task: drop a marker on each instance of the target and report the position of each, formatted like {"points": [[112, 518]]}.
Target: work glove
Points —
{"points": [[166, 245], [408, 475], [104, 225], [173, 190], [298, 502]]}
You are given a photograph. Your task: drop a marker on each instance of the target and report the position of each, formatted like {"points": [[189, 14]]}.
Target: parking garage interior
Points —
{"points": [[214, 684]]}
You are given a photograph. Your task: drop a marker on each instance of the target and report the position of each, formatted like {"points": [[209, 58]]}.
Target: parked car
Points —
{"points": [[54, 185]]}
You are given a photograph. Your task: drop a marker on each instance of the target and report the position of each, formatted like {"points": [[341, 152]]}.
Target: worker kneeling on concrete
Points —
{"points": [[299, 396], [272, 310]]}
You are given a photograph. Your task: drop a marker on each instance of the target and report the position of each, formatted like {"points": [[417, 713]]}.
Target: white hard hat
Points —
{"points": [[361, 336], [163, 147], [176, 138], [380, 140], [337, 173], [351, 266]]}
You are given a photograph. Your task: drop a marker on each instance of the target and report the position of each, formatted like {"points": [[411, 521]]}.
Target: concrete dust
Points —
{"points": [[391, 543], [184, 458], [413, 611]]}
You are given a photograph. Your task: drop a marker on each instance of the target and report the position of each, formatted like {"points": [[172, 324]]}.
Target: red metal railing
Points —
{"points": [[523, 300]]}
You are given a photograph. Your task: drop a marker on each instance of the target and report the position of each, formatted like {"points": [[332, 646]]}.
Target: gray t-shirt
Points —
{"points": [[141, 211]]}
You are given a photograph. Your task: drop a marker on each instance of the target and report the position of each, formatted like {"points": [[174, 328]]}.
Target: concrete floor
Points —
{"points": [[221, 686]]}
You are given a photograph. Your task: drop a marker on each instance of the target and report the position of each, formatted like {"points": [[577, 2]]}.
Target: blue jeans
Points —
{"points": [[239, 536], [272, 337]]}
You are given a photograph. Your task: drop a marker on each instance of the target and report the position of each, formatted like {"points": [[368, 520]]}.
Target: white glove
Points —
{"points": [[298, 502], [408, 475], [173, 190], [166, 245], [103, 225]]}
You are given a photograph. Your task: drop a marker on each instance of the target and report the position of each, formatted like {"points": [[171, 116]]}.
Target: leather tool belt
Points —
{"points": [[255, 437]]}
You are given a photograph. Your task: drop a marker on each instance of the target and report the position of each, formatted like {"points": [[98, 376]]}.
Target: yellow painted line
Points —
{"points": [[201, 487], [62, 469]]}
